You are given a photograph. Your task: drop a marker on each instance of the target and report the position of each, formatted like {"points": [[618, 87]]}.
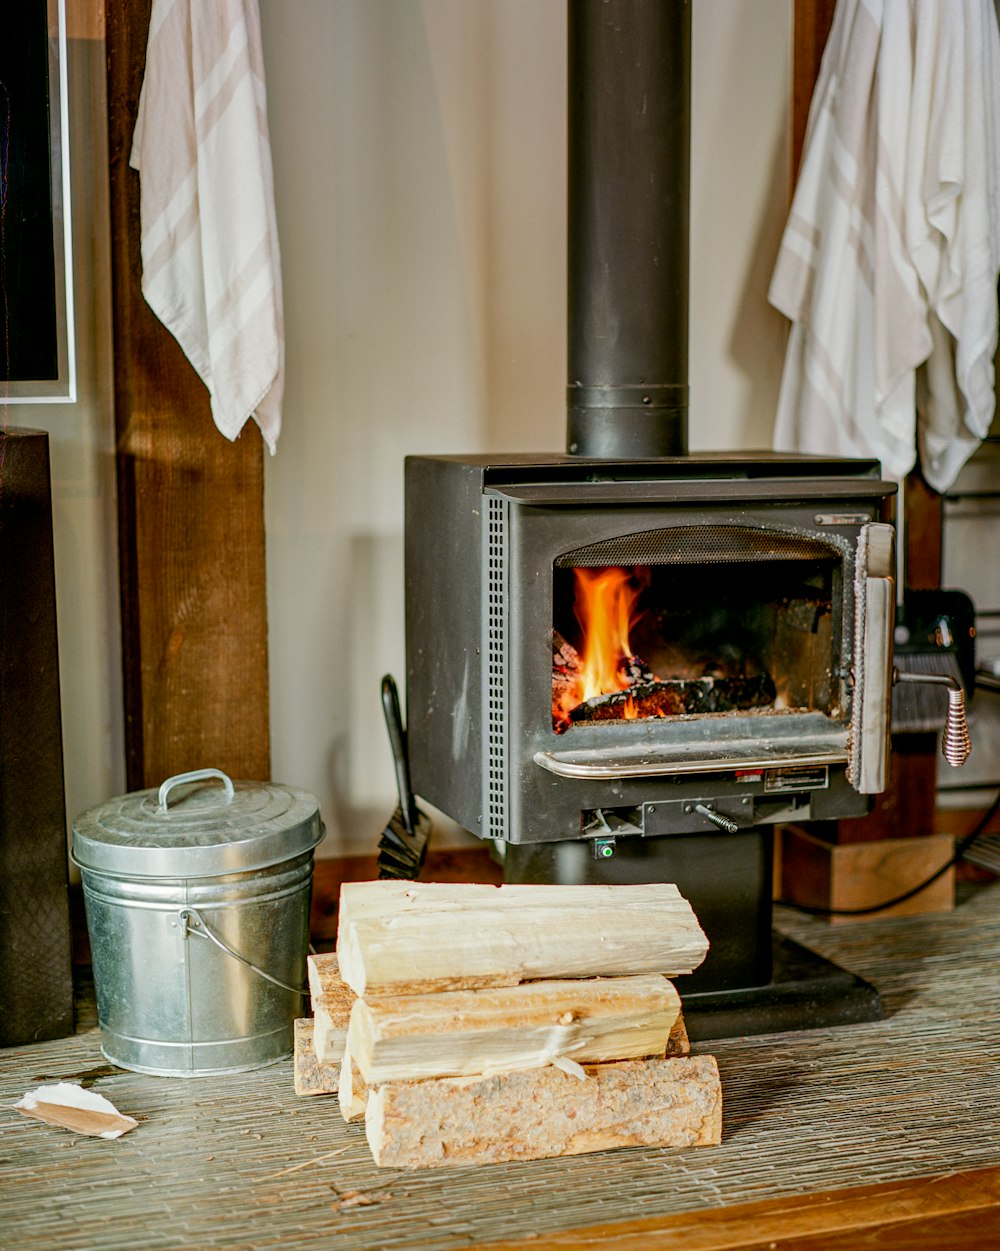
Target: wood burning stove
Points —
{"points": [[626, 663]]}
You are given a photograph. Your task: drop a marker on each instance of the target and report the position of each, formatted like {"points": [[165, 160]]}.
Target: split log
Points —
{"points": [[352, 1091], [465, 1032], [323, 969], [329, 1035], [537, 1113], [678, 1044], [332, 999], [344, 1080], [309, 1074], [411, 937]]}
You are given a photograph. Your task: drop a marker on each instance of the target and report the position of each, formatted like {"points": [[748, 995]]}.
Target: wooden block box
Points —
{"points": [[821, 874]]}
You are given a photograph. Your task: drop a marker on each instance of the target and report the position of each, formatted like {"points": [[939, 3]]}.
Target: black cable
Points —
{"points": [[962, 847]]}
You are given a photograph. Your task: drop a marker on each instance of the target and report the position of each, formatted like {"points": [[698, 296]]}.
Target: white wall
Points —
{"points": [[419, 150], [740, 155], [82, 456]]}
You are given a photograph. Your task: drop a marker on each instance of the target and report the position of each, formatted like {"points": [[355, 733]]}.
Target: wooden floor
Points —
{"points": [[882, 1135]]}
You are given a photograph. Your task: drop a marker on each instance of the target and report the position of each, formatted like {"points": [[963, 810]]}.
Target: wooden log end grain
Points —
{"points": [[540, 1113], [310, 1075], [326, 984]]}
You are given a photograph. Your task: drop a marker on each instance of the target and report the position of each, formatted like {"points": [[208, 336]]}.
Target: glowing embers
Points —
{"points": [[642, 642]]}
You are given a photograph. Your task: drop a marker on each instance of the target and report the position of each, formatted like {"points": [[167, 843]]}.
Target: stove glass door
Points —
{"points": [[694, 622]]}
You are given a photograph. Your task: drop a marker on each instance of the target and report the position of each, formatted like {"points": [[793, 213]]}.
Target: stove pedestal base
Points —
{"points": [[806, 991]]}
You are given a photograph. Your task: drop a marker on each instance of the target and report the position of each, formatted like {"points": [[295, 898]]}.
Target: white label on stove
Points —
{"points": [[842, 519], [816, 778]]}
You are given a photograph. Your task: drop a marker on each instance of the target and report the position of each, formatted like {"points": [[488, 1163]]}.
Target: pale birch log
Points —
{"points": [[465, 1032], [332, 999], [352, 1092], [413, 937], [309, 1074], [537, 1113], [330, 1031]]}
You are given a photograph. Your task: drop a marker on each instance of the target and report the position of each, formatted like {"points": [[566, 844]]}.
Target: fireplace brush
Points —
{"points": [[403, 844]]}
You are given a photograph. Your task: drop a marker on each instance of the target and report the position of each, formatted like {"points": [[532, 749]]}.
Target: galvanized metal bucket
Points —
{"points": [[197, 899]]}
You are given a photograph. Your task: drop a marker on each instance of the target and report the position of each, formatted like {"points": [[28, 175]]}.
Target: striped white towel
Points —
{"points": [[210, 261], [889, 262]]}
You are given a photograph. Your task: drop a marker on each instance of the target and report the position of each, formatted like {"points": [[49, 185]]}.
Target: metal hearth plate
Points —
{"points": [[806, 991]]}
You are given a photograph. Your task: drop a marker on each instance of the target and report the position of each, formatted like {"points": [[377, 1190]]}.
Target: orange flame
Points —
{"points": [[605, 606]]}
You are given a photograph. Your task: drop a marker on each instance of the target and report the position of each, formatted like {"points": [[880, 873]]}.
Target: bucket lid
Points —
{"points": [[193, 827]]}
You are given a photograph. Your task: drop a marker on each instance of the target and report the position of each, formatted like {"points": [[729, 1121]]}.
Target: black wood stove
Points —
{"points": [[626, 663], [738, 614]]}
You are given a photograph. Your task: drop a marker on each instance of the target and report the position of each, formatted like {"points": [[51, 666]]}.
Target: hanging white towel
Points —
{"points": [[890, 257], [210, 261]]}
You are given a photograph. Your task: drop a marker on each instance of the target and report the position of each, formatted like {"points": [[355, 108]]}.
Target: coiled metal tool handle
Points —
{"points": [[956, 743]]}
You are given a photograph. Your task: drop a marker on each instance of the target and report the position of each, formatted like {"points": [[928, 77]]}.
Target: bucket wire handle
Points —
{"points": [[195, 923], [196, 775]]}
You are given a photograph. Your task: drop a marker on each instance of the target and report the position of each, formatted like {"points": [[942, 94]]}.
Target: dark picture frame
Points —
{"points": [[37, 348]]}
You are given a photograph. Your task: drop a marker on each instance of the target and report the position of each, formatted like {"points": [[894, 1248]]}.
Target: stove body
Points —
{"points": [[766, 609], [756, 590]]}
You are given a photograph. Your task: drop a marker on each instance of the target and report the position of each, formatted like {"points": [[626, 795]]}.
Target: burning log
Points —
{"points": [[566, 667], [673, 697]]}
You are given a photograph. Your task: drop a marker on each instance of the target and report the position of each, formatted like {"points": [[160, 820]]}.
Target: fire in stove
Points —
{"points": [[638, 645], [675, 671], [647, 641]]}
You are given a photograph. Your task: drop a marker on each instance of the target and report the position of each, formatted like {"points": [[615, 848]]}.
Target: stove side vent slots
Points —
{"points": [[497, 762]]}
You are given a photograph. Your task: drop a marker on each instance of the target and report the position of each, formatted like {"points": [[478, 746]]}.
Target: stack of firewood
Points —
{"points": [[472, 1024]]}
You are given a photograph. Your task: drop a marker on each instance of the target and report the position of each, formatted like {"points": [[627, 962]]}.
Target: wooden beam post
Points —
{"points": [[811, 25], [190, 506]]}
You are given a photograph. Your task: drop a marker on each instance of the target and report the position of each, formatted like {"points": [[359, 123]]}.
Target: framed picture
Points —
{"points": [[37, 351]]}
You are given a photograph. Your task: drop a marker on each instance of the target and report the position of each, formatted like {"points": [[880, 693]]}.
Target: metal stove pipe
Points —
{"points": [[629, 157]]}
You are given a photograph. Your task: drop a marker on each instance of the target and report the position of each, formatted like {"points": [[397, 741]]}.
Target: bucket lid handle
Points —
{"points": [[196, 775]]}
